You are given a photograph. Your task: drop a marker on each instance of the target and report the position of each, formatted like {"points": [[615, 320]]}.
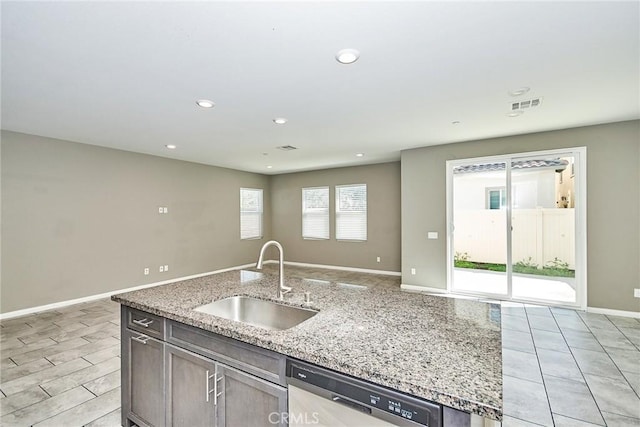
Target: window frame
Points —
{"points": [[339, 213], [502, 195], [327, 213], [259, 213]]}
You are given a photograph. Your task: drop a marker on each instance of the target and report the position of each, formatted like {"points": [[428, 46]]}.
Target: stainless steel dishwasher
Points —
{"points": [[319, 397]]}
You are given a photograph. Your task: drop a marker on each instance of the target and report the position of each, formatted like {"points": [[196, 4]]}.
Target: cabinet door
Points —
{"points": [[191, 388], [249, 401], [143, 379]]}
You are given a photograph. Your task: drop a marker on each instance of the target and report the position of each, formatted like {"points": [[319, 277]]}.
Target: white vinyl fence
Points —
{"points": [[539, 234]]}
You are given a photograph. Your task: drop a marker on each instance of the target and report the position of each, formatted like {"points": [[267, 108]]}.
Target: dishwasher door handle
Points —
{"points": [[351, 404]]}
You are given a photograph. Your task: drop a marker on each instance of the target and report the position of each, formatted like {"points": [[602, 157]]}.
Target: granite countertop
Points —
{"points": [[445, 350]]}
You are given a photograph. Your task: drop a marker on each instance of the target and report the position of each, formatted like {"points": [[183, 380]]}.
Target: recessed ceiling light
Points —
{"points": [[360, 155], [519, 91], [347, 56], [280, 120], [171, 146], [515, 113], [269, 167], [205, 103]]}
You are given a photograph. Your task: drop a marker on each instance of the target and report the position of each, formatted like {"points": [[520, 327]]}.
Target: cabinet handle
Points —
{"points": [[143, 322], [142, 339], [216, 395], [207, 391]]}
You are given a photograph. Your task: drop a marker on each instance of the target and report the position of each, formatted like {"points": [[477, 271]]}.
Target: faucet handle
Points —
{"points": [[307, 298]]}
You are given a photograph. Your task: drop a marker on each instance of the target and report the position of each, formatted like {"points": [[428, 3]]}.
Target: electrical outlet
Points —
{"points": [[146, 271], [378, 259], [165, 210], [413, 271], [162, 269], [636, 293], [432, 235], [166, 267]]}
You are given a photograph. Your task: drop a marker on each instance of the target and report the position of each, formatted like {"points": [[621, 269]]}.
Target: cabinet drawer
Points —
{"points": [[148, 324], [257, 361]]}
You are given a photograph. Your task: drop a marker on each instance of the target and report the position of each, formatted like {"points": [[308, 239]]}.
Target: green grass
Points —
{"points": [[465, 264], [517, 268]]}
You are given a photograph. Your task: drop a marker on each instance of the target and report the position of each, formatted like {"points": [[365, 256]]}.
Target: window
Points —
{"points": [[315, 213], [351, 212], [250, 213], [496, 198]]}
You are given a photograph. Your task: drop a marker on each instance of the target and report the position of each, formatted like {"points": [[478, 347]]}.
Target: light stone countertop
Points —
{"points": [[445, 350]]}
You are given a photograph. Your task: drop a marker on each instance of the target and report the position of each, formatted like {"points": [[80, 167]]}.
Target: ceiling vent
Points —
{"points": [[287, 147], [523, 105]]}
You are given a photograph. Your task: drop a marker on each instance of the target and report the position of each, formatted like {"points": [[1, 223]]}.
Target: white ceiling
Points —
{"points": [[127, 74]]}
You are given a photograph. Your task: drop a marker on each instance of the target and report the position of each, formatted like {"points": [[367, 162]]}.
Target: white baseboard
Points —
{"points": [[26, 311], [337, 267], [611, 312], [423, 289]]}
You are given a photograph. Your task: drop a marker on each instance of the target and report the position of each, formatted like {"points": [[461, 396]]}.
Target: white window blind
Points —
{"points": [[250, 213], [315, 213], [351, 212]]}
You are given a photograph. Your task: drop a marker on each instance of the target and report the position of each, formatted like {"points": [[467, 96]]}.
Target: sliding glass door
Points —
{"points": [[480, 234], [513, 227]]}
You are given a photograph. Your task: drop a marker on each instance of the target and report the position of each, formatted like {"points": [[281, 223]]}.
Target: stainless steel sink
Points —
{"points": [[257, 312]]}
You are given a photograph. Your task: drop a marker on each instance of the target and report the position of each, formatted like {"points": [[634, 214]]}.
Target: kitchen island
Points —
{"points": [[443, 350]]}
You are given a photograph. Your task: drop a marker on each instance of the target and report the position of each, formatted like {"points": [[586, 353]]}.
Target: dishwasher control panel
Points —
{"points": [[366, 397]]}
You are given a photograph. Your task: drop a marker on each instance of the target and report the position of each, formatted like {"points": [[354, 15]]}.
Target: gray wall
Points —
{"points": [[383, 198], [80, 220], [613, 206]]}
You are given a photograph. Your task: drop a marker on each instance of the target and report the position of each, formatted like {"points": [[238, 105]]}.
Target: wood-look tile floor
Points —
{"points": [[561, 367], [61, 367]]}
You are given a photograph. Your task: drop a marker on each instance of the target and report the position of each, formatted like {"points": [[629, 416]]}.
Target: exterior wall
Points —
{"points": [[531, 189], [565, 183], [383, 221], [80, 220], [613, 206]]}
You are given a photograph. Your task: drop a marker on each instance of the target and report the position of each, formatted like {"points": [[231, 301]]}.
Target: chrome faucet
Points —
{"points": [[282, 289]]}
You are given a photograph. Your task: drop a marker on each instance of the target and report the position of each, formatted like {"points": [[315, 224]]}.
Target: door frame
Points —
{"points": [[580, 190]]}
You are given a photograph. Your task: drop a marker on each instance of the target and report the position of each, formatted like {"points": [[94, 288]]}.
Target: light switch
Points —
{"points": [[432, 235]]}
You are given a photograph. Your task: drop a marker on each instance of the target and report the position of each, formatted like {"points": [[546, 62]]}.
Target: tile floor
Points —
{"points": [[561, 367], [569, 368], [61, 367]]}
